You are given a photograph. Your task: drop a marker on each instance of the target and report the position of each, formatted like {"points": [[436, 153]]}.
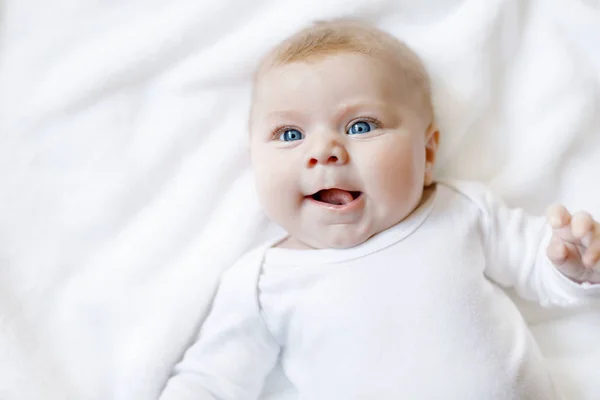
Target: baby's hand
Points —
{"points": [[575, 244]]}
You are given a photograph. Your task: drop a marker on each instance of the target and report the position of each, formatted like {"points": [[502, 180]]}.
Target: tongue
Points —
{"points": [[335, 196]]}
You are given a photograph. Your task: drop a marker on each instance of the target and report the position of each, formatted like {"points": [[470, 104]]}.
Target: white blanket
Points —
{"points": [[124, 181]]}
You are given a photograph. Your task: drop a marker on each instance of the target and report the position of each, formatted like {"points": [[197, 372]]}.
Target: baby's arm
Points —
{"points": [[234, 352], [520, 250]]}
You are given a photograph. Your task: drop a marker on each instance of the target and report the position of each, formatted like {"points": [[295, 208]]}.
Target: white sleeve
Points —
{"points": [[515, 250], [234, 351]]}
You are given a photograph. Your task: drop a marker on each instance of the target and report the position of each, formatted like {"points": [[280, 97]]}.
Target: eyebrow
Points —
{"points": [[354, 106], [343, 109], [284, 115]]}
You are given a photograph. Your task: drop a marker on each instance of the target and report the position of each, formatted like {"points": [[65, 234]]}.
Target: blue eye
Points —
{"points": [[291, 135], [360, 127]]}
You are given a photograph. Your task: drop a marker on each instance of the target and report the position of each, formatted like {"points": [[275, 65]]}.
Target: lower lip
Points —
{"points": [[353, 205]]}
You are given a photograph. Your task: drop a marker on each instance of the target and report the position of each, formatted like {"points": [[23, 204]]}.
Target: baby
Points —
{"points": [[387, 284]]}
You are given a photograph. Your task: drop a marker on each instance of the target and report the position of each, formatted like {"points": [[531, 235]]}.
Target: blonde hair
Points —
{"points": [[325, 38]]}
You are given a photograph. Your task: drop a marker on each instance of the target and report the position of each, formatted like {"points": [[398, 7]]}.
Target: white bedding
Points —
{"points": [[124, 182]]}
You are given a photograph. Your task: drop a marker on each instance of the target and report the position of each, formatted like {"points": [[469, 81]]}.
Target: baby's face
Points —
{"points": [[338, 152]]}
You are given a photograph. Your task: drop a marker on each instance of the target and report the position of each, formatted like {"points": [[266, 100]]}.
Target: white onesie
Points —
{"points": [[413, 313]]}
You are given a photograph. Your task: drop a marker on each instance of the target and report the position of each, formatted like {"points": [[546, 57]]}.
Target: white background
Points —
{"points": [[124, 180]]}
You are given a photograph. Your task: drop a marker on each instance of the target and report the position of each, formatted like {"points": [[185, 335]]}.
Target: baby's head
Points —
{"points": [[343, 138]]}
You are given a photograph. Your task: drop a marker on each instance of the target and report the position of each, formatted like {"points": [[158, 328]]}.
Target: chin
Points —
{"points": [[344, 240], [346, 245], [342, 236]]}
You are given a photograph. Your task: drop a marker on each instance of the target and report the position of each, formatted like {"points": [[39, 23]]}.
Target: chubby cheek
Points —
{"points": [[276, 184], [396, 176]]}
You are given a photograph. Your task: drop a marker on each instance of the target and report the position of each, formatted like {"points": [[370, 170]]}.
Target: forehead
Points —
{"points": [[324, 80]]}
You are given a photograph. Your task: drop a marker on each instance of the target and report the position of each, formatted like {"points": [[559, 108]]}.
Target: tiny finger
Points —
{"points": [[557, 251], [582, 225], [591, 256], [558, 216]]}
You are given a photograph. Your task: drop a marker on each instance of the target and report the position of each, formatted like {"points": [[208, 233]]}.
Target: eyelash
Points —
{"points": [[281, 129], [371, 120]]}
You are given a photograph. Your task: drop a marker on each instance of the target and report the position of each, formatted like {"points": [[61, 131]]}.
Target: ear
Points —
{"points": [[432, 141]]}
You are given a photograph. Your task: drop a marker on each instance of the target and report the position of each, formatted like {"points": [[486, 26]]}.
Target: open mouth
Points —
{"points": [[336, 197]]}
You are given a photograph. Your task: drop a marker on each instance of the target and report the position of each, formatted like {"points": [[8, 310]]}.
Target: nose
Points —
{"points": [[327, 151]]}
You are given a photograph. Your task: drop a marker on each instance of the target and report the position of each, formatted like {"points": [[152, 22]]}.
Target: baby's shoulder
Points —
{"points": [[474, 193], [248, 266], [472, 190], [239, 282], [248, 263]]}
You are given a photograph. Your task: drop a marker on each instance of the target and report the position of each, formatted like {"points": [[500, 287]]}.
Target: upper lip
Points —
{"points": [[333, 187]]}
